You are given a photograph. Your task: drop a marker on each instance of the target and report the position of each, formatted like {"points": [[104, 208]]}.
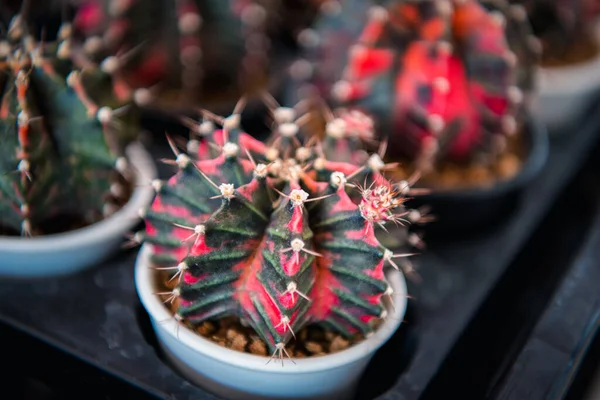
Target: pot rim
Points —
{"points": [[116, 224], [144, 281], [539, 149]]}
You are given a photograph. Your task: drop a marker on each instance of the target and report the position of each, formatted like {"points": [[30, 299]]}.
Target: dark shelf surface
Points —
{"points": [[458, 276], [96, 317], [563, 350]]}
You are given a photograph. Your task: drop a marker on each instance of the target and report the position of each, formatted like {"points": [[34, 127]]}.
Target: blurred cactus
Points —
{"points": [[63, 134], [181, 52], [443, 81]]}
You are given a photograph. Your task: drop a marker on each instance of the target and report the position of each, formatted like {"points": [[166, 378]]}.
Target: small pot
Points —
{"points": [[565, 93], [236, 375], [68, 252], [460, 212]]}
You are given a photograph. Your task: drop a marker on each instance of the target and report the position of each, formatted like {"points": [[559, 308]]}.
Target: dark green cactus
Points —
{"points": [[59, 149], [278, 233]]}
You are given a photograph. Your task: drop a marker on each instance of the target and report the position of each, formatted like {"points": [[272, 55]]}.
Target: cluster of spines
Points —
{"points": [[268, 232], [447, 80]]}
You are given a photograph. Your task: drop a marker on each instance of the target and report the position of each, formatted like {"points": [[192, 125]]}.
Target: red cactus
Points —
{"points": [[281, 243], [444, 79]]}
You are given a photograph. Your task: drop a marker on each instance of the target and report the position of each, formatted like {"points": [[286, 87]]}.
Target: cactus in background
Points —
{"points": [[182, 51], [59, 149], [567, 29], [444, 80], [281, 233]]}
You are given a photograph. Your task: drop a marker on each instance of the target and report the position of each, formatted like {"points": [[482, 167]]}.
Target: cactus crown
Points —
{"points": [[282, 233], [446, 80], [55, 158]]}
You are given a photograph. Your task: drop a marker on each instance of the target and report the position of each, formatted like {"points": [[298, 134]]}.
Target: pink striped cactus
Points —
{"points": [[281, 233], [445, 80]]}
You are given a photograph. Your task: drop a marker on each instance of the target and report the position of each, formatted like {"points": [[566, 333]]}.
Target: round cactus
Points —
{"points": [[445, 80], [61, 137], [280, 233], [179, 52]]}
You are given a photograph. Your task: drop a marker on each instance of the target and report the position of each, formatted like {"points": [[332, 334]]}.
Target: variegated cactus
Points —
{"points": [[281, 233], [60, 149], [444, 80], [179, 51]]}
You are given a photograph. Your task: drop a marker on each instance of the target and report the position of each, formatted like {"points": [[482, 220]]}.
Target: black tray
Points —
{"points": [[95, 316], [562, 353]]}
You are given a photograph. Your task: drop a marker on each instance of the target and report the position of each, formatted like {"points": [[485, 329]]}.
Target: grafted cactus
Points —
{"points": [[59, 149], [445, 80], [179, 51], [567, 29], [281, 233]]}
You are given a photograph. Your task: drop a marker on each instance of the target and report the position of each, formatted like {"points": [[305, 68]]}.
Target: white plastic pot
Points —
{"points": [[68, 252], [564, 93], [236, 375]]}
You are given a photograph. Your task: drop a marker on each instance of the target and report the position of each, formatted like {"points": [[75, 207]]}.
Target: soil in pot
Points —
{"points": [[310, 341], [69, 222], [461, 176]]}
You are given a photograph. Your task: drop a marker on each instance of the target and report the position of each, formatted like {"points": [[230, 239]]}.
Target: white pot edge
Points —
{"points": [[563, 92], [159, 313], [115, 226]]}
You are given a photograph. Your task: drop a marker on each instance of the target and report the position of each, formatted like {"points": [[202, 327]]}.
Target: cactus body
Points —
{"points": [[274, 233], [179, 51], [58, 148], [444, 80]]}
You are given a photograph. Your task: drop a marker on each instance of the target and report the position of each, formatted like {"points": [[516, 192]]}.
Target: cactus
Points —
{"points": [[181, 52], [567, 29], [277, 232], [59, 149], [445, 81]]}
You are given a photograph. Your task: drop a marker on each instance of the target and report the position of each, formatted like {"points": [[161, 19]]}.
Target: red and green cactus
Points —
{"points": [[445, 80], [567, 29], [280, 233], [178, 51], [59, 148]]}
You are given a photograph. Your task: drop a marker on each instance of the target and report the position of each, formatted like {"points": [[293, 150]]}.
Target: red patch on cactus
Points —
{"points": [[152, 69], [324, 299], [90, 17]]}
